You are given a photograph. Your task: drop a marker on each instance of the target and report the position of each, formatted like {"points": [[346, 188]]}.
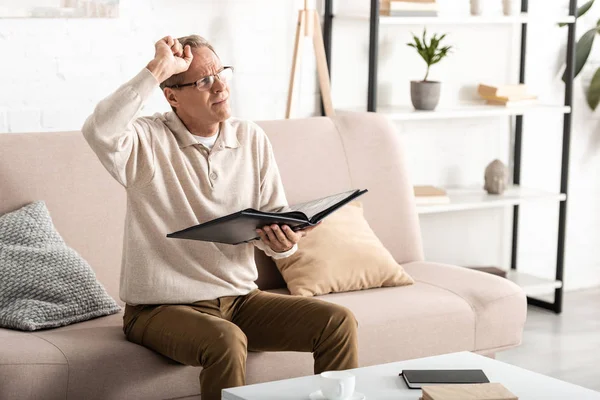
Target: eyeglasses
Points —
{"points": [[204, 84]]}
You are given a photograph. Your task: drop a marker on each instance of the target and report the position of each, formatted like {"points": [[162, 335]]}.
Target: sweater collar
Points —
{"points": [[227, 134]]}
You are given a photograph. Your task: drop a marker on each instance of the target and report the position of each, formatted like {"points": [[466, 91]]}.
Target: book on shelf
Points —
{"points": [[509, 98], [398, 6], [403, 5], [513, 103], [509, 90], [411, 1], [240, 227], [506, 95], [408, 8], [414, 13], [400, 3], [428, 194]]}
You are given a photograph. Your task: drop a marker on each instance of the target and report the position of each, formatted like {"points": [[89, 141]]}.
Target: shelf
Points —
{"points": [[474, 110], [533, 285], [475, 199], [461, 20]]}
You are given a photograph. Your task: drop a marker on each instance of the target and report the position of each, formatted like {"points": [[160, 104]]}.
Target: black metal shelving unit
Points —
{"points": [[556, 305]]}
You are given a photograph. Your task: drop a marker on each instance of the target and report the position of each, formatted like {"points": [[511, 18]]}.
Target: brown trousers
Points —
{"points": [[217, 334]]}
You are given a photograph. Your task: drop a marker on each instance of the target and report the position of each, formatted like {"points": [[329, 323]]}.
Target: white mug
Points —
{"points": [[337, 385]]}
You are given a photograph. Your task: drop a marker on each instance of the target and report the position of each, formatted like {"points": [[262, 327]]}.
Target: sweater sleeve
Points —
{"points": [[273, 254], [123, 143]]}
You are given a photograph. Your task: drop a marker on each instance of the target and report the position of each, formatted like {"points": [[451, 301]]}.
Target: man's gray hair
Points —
{"points": [[195, 42]]}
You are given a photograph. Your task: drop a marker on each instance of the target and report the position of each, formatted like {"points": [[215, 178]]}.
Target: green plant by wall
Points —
{"points": [[430, 51]]}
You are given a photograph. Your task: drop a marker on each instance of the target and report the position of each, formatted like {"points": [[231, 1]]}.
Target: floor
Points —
{"points": [[565, 346]]}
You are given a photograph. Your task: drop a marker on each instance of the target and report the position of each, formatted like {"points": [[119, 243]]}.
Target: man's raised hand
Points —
{"points": [[170, 58]]}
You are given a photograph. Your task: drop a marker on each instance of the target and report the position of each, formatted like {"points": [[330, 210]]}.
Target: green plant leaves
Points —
{"points": [[584, 8], [593, 94], [430, 50], [582, 51], [441, 54], [581, 10]]}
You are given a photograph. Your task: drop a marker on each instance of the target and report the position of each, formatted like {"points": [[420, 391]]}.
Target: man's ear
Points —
{"points": [[171, 96]]}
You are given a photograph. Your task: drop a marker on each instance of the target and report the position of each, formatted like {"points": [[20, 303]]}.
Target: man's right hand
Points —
{"points": [[170, 58]]}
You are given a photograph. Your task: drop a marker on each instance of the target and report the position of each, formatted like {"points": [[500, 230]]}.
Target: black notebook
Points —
{"points": [[240, 227], [416, 378]]}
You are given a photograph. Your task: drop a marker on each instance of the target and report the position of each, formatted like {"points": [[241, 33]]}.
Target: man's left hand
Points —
{"points": [[282, 239]]}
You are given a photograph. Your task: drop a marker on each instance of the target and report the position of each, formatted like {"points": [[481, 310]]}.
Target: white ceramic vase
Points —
{"points": [[477, 7], [511, 7]]}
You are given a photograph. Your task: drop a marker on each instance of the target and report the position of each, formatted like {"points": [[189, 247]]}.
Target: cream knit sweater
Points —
{"points": [[172, 182]]}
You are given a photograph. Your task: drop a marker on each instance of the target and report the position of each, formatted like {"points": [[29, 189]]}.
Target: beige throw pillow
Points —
{"points": [[341, 255]]}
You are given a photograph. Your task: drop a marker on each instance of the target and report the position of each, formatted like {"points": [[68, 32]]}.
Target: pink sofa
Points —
{"points": [[448, 309]]}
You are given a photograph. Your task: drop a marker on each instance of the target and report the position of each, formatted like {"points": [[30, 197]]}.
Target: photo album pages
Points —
{"points": [[240, 227]]}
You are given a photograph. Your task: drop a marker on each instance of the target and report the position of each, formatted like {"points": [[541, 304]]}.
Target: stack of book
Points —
{"points": [[430, 195], [506, 95], [409, 8]]}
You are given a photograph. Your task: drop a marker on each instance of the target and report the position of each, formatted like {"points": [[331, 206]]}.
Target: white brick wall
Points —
{"points": [[25, 120], [3, 120], [61, 68], [57, 70]]}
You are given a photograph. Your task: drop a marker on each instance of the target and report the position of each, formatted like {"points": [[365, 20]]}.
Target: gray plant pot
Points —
{"points": [[425, 95]]}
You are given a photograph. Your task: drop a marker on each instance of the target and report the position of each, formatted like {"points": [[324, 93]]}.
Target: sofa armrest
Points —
{"points": [[499, 305]]}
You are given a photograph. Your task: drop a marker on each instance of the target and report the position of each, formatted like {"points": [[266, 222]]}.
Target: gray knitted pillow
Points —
{"points": [[43, 282]]}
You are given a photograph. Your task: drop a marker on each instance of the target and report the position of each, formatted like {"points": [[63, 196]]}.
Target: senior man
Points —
{"points": [[196, 302]]}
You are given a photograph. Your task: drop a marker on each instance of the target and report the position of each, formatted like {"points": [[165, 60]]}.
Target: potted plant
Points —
{"points": [[425, 94]]}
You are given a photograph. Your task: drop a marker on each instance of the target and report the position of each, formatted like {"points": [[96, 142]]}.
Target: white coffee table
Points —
{"points": [[381, 382]]}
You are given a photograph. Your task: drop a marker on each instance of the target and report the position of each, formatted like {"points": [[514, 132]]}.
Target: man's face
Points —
{"points": [[209, 106]]}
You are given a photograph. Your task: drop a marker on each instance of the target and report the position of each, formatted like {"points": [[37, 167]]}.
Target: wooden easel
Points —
{"points": [[309, 24]]}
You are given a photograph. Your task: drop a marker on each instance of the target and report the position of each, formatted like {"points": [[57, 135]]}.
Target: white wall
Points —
{"points": [[54, 71]]}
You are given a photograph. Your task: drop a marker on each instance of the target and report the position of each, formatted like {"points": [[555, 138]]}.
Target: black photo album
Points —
{"points": [[240, 227]]}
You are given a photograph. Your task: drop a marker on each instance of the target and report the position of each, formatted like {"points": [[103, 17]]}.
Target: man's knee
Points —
{"points": [[228, 344], [342, 318]]}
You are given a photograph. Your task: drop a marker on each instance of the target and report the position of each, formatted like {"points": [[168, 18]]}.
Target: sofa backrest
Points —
{"points": [[316, 157], [86, 204]]}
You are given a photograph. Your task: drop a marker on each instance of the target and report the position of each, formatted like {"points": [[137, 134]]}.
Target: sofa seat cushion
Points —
{"points": [[394, 323], [104, 365], [30, 367], [407, 322], [25, 348], [447, 309]]}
